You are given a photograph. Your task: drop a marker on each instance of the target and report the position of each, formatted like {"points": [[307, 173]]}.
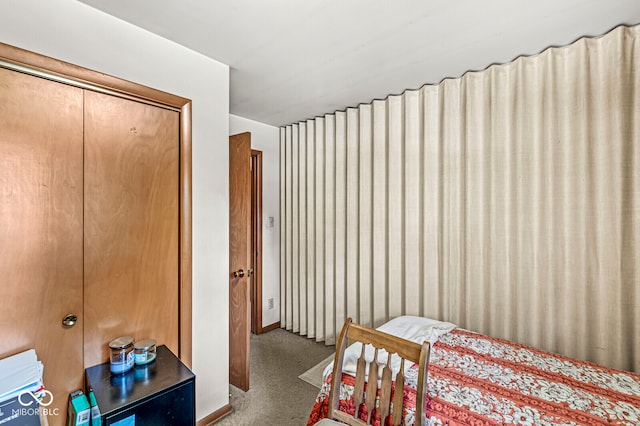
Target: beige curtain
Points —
{"points": [[506, 201]]}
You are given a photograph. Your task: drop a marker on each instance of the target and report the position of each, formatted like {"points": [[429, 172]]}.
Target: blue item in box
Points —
{"points": [[95, 411], [79, 409]]}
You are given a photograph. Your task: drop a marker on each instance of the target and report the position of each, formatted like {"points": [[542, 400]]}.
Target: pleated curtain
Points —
{"points": [[506, 201]]}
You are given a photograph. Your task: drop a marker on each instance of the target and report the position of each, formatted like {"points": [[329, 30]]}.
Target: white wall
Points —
{"points": [[76, 33], [266, 138]]}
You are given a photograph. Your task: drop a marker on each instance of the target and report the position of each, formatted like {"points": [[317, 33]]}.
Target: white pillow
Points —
{"points": [[415, 329]]}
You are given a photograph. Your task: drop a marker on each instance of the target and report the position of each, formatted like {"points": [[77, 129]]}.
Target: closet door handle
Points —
{"points": [[239, 273], [69, 320]]}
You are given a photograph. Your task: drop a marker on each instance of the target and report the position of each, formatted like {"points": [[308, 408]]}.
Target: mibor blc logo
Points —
{"points": [[35, 403], [41, 397]]}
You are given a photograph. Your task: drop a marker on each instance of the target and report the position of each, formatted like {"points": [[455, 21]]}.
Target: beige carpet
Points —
{"points": [[276, 395], [313, 376]]}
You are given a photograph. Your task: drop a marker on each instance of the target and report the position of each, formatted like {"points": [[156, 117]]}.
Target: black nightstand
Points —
{"points": [[160, 393]]}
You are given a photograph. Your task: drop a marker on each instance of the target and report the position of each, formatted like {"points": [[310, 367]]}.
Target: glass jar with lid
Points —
{"points": [[145, 351], [122, 355]]}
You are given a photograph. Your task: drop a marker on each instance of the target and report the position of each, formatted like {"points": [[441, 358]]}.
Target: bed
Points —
{"points": [[475, 380]]}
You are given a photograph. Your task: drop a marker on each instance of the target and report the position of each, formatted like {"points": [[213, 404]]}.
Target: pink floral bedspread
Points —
{"points": [[478, 380]]}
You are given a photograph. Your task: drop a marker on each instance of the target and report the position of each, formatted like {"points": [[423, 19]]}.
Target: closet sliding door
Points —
{"points": [[131, 202], [41, 180]]}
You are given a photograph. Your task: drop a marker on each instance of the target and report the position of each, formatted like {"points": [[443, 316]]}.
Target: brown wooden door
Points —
{"points": [[41, 180], [131, 212], [239, 258]]}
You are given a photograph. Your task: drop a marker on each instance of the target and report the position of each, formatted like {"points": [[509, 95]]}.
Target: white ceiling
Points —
{"points": [[292, 59]]}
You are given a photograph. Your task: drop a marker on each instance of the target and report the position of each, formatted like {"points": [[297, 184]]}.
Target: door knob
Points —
{"points": [[69, 320], [239, 273]]}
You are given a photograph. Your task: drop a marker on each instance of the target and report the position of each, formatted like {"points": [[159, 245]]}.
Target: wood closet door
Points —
{"points": [[41, 227], [239, 259], [131, 160]]}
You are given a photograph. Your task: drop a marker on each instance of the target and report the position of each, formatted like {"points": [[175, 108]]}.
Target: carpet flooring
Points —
{"points": [[276, 395]]}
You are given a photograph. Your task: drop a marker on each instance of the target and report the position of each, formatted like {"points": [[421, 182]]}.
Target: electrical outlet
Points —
{"points": [[270, 301]]}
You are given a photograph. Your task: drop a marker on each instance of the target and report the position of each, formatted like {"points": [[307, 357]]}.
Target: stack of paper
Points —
{"points": [[18, 373], [21, 388]]}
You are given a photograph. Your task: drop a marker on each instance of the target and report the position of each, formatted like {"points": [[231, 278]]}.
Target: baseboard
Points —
{"points": [[215, 416], [270, 327]]}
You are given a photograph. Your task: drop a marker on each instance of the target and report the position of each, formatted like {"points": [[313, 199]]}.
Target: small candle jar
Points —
{"points": [[145, 351], [122, 356]]}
